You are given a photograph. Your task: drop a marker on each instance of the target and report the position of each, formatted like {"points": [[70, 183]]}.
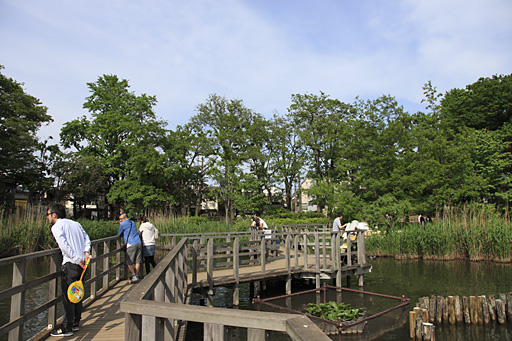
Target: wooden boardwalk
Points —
{"points": [[102, 320]]}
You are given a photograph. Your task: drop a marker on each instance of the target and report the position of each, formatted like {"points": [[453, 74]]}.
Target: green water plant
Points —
{"points": [[333, 311]]}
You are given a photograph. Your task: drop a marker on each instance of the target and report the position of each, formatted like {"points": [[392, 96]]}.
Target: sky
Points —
{"points": [[259, 51]]}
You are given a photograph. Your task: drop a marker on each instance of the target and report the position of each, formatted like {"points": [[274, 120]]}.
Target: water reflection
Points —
{"points": [[411, 278]]}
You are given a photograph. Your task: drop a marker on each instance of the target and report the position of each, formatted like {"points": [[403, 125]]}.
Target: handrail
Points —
{"points": [[105, 262], [153, 306]]}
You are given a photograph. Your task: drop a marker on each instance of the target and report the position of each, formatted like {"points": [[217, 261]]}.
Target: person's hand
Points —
{"points": [[86, 256]]}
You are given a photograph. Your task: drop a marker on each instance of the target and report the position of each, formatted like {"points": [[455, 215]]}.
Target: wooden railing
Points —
{"points": [[154, 307], [106, 267]]}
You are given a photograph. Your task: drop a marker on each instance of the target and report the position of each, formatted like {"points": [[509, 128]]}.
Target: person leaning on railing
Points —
{"points": [[75, 245]]}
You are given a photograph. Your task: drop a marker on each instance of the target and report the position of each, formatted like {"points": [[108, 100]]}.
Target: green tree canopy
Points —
{"points": [[21, 116]]}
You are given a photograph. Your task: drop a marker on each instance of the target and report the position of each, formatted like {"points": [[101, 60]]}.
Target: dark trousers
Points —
{"points": [[72, 311], [148, 261]]}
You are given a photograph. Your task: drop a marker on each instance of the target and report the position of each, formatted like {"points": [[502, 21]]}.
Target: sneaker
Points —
{"points": [[134, 278], [75, 327], [61, 332]]}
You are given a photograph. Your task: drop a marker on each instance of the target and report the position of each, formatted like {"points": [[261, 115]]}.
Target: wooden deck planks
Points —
{"points": [[103, 320]]}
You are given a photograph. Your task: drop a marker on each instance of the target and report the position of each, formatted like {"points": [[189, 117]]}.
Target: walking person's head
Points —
{"points": [[144, 219], [55, 212]]}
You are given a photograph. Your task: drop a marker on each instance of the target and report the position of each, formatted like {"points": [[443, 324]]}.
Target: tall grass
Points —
{"points": [[474, 232]]}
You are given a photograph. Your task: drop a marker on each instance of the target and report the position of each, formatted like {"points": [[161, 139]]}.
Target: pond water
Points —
{"points": [[411, 278]]}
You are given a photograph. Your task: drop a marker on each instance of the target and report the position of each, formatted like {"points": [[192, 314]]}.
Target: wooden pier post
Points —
{"points": [[459, 317], [412, 324], [440, 307], [500, 311], [492, 307], [428, 332], [451, 310], [432, 308], [465, 307]]}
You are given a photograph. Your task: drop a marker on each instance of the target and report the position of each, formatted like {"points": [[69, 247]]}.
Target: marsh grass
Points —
{"points": [[474, 232]]}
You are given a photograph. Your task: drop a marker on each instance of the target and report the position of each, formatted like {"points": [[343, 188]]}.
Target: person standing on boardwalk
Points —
{"points": [[148, 242], [75, 246], [132, 240], [336, 224]]}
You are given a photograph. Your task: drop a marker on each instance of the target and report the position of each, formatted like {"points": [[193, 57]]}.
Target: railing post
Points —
{"points": [[194, 266], [106, 263], [296, 247], [94, 268], [263, 259], [18, 300], [317, 261], [361, 254], [170, 293], [118, 258], [132, 327], [209, 266], [53, 291], [236, 266], [288, 265], [305, 250]]}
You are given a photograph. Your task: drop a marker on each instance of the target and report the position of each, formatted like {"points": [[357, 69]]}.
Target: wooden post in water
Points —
{"points": [[459, 317], [440, 307], [492, 307], [474, 311], [509, 305], [412, 324], [432, 308], [500, 311], [428, 332], [465, 308], [485, 309], [451, 310]]}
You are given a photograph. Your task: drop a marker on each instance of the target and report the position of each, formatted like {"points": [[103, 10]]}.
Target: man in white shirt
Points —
{"points": [[75, 246], [336, 224]]}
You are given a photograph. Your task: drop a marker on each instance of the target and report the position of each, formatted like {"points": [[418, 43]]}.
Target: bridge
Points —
{"points": [[156, 307]]}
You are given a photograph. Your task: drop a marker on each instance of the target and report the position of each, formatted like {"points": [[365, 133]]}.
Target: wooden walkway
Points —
{"points": [[102, 320]]}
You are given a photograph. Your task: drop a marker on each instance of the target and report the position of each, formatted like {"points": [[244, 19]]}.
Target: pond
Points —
{"points": [[411, 278]]}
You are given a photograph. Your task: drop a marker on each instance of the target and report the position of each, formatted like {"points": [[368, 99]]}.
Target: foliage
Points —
{"points": [[333, 311], [122, 137], [474, 232], [21, 116]]}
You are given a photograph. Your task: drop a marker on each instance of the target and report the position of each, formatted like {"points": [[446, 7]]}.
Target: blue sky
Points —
{"points": [[259, 51]]}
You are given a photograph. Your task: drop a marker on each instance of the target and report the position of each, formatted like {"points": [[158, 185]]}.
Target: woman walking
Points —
{"points": [[148, 243]]}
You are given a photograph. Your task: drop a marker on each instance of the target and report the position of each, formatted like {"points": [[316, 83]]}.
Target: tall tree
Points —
{"points": [[122, 127], [227, 123], [323, 130], [21, 116], [288, 157]]}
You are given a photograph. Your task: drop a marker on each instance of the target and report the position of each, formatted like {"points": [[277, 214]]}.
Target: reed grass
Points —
{"points": [[473, 232]]}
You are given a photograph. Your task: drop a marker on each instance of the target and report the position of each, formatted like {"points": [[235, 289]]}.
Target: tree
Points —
{"points": [[322, 125], [288, 157], [485, 104], [123, 135], [226, 123], [21, 116]]}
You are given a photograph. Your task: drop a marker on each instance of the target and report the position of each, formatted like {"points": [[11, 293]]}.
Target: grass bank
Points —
{"points": [[25, 232], [473, 233]]}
